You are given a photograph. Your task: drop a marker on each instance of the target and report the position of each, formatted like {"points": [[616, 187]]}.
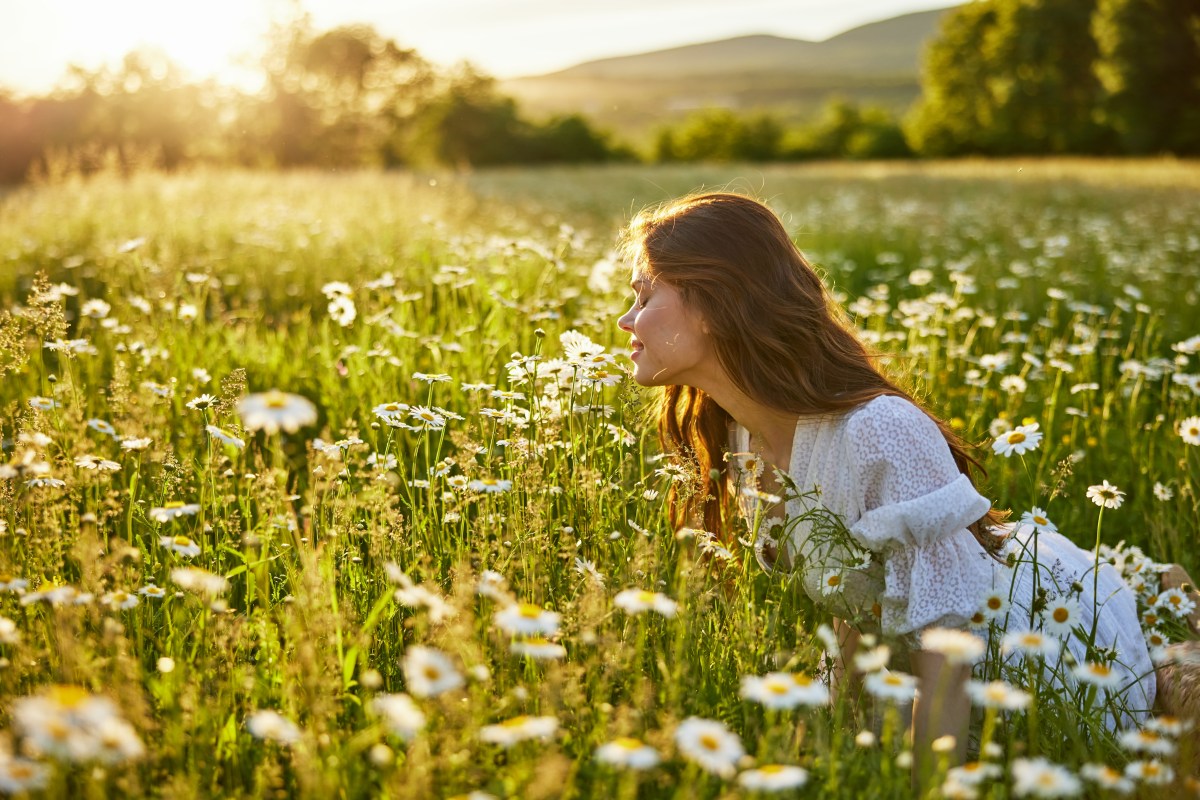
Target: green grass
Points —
{"points": [[1091, 264]]}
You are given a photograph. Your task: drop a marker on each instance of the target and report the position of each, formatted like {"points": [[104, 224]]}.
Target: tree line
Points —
{"points": [[1002, 77]]}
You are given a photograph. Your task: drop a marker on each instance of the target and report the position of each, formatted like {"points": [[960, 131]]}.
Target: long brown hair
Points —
{"points": [[775, 331]]}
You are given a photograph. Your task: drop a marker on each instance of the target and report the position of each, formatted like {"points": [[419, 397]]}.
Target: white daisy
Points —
{"points": [[1189, 430], [783, 690], [429, 672], [1037, 518], [773, 778], [225, 437], [627, 752], [1106, 777], [527, 619], [1153, 772], [1018, 441], [958, 647], [1146, 741], [489, 485], [1030, 643], [400, 714], [1060, 616], [1106, 495], [886, 684], [272, 726], [174, 510], [638, 601], [1097, 674], [710, 744], [1041, 778], [519, 729], [275, 411], [997, 694], [181, 545]]}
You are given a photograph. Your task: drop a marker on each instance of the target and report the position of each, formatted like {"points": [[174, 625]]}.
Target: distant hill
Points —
{"points": [[877, 63]]}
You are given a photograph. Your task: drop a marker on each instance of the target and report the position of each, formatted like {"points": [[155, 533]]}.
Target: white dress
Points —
{"points": [[885, 470]]}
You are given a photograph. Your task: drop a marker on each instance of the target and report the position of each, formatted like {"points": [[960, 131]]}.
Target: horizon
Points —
{"points": [[225, 39]]}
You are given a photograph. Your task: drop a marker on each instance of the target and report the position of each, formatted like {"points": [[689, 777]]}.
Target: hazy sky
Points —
{"points": [[39, 38]]}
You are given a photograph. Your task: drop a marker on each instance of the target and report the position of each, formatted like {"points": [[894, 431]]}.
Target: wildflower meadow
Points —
{"points": [[336, 485]]}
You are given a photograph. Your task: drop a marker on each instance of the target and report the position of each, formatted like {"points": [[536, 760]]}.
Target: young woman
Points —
{"points": [[757, 361]]}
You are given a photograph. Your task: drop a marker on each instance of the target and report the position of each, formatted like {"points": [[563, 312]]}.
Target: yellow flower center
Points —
{"points": [[529, 611], [710, 742], [1100, 670], [801, 679], [627, 743], [771, 769], [174, 504], [1041, 520], [777, 688], [833, 580], [431, 672], [1061, 615], [66, 696], [515, 722], [645, 597], [183, 541], [1016, 437], [893, 680], [275, 400], [994, 603]]}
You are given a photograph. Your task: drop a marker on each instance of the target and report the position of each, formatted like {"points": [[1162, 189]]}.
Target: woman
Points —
{"points": [[757, 361]]}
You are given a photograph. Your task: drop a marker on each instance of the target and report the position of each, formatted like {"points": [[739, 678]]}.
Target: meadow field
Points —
{"points": [[335, 485]]}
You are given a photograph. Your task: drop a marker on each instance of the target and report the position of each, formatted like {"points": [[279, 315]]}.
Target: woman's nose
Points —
{"points": [[625, 320]]}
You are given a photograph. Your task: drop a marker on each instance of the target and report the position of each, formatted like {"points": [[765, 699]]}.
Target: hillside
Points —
{"points": [[877, 63]]}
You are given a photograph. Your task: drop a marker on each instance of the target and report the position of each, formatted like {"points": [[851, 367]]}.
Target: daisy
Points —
{"points": [[958, 647], [181, 545], [225, 437], [538, 647], [519, 729], [1019, 440], [274, 411], [174, 510], [9, 633], [997, 694], [342, 310], [435, 378], [42, 403], [1106, 495], [119, 600], [100, 426], [200, 580], [1175, 601], [201, 403], [152, 591], [995, 604], [489, 485], [1097, 674], [1060, 616], [96, 463], [832, 581], [426, 417], [527, 619], [1163, 493], [1189, 430], [1106, 777], [136, 443], [272, 726], [885, 684], [782, 690], [390, 410], [637, 601], [1146, 741], [429, 672], [710, 744], [1152, 772], [773, 778], [1030, 643], [1037, 518], [974, 773], [1041, 778], [625, 751], [399, 714], [20, 775], [872, 660]]}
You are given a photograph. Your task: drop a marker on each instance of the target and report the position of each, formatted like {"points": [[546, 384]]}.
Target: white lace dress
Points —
{"points": [[885, 469]]}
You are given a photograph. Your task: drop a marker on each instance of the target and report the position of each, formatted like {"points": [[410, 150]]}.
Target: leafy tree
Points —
{"points": [[1010, 76], [1149, 65]]}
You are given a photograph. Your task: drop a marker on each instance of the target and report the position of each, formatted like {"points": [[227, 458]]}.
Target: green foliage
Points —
{"points": [[1149, 65], [1081, 76]]}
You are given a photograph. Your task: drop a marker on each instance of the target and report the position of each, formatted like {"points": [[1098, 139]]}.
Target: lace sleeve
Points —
{"points": [[917, 506]]}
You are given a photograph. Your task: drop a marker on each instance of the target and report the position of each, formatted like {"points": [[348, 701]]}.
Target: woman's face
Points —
{"points": [[670, 341]]}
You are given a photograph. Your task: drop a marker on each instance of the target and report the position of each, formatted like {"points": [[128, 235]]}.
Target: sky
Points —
{"points": [[505, 38]]}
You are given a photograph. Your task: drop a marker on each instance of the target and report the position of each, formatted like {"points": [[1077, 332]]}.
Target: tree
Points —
{"points": [[1149, 65], [1010, 76]]}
